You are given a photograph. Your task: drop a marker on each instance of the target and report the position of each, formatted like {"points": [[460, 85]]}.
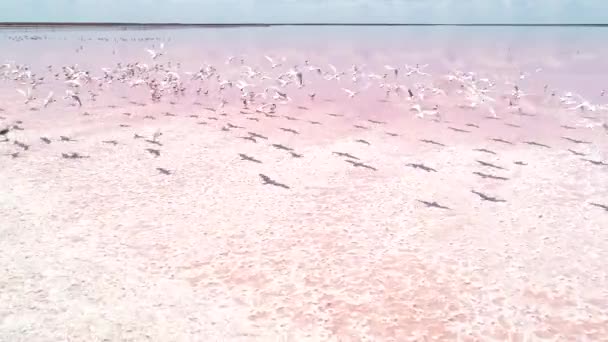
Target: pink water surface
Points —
{"points": [[108, 248]]}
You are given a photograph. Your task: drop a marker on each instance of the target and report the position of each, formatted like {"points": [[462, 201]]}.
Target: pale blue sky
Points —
{"points": [[229, 11]]}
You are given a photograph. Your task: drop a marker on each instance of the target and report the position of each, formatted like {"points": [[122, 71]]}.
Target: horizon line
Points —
{"points": [[219, 25]]}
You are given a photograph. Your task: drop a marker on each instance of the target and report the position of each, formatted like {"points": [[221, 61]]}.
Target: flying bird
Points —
{"points": [[433, 205], [358, 164], [431, 142], [533, 143], [485, 197], [154, 152], [347, 155], [248, 158], [421, 167], [603, 206], [490, 165], [269, 181], [49, 99], [485, 175], [576, 141], [484, 150], [350, 93]]}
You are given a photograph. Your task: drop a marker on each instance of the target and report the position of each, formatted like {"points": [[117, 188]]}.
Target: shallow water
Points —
{"points": [[208, 252]]}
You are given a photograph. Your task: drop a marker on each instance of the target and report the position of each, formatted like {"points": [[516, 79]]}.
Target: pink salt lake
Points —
{"points": [[107, 248]]}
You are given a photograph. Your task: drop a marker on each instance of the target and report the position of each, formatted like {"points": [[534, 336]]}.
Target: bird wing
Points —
{"points": [[333, 68], [269, 59], [20, 91], [416, 107]]}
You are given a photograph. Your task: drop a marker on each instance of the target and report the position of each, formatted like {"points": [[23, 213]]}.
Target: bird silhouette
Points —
{"points": [[295, 155], [163, 171], [377, 122], [358, 164], [256, 135], [154, 152], [485, 175], [472, 125], [111, 142], [347, 155], [250, 138], [534, 143], [576, 141], [248, 158], [73, 155], [459, 130], [289, 130], [64, 138], [282, 147], [432, 142], [363, 141], [267, 180], [520, 163], [490, 165], [422, 167], [484, 151], [433, 205], [595, 162], [485, 197], [24, 146], [45, 140], [577, 153], [603, 206], [4, 133], [502, 141]]}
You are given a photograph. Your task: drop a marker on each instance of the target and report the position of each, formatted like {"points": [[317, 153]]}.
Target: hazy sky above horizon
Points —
{"points": [[269, 11]]}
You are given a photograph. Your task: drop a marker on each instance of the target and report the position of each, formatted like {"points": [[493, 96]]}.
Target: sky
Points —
{"points": [[300, 11]]}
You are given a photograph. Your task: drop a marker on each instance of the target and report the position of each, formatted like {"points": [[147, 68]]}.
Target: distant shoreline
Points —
{"points": [[234, 25]]}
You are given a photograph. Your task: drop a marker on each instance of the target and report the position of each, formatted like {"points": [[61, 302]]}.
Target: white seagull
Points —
{"points": [[350, 93], [27, 94], [272, 62], [49, 99], [155, 54]]}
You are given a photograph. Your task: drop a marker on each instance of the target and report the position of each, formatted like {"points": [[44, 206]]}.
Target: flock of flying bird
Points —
{"points": [[262, 91]]}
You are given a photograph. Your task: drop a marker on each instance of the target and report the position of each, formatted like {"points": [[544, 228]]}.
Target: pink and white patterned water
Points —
{"points": [[109, 248]]}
